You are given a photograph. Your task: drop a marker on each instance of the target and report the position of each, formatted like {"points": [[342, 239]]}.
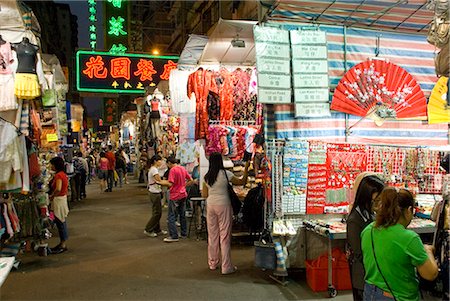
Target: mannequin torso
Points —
{"points": [[26, 56]]}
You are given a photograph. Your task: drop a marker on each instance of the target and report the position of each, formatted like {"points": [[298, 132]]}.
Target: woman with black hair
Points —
{"points": [[58, 199], [392, 253], [219, 213], [367, 186]]}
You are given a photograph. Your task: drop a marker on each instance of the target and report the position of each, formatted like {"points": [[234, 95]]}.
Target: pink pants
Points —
{"points": [[220, 220]]}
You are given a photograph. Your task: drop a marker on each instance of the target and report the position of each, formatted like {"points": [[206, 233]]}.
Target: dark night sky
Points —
{"points": [[79, 8]]}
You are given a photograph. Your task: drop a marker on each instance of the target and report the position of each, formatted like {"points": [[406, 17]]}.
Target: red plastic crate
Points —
{"points": [[317, 272], [316, 277]]}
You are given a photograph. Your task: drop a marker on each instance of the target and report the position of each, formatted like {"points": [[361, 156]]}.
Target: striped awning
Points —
{"points": [[407, 16]]}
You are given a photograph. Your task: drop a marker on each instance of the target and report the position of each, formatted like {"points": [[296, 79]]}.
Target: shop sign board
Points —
{"points": [[274, 96], [128, 73], [270, 65], [273, 58], [310, 69], [308, 66], [311, 80], [309, 52], [311, 95], [274, 81], [279, 51], [308, 37], [312, 109], [110, 113], [271, 34]]}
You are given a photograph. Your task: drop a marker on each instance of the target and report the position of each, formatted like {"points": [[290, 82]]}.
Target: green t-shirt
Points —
{"points": [[399, 252]]}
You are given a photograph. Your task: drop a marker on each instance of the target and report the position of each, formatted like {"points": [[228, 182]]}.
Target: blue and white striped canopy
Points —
{"points": [[407, 16]]}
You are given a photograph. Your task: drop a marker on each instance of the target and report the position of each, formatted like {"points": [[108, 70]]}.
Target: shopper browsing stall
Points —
{"points": [[392, 253], [219, 213], [367, 186], [103, 164], [153, 227], [111, 166], [178, 179], [58, 199]]}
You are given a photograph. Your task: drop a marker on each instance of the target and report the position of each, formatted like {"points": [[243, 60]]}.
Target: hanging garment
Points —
{"points": [[25, 118], [8, 65], [197, 86], [226, 94], [213, 106], [9, 151], [187, 128], [241, 96], [178, 83]]}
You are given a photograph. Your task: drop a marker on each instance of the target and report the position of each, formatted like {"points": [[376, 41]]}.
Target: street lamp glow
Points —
{"points": [[155, 51]]}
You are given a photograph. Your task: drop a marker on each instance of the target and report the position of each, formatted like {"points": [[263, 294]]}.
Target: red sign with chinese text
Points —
{"points": [[126, 73]]}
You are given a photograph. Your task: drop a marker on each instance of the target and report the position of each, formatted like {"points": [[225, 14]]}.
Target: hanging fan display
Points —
{"points": [[379, 87], [438, 110]]}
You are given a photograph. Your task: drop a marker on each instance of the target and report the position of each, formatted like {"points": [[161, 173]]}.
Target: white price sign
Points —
{"points": [[309, 52]]}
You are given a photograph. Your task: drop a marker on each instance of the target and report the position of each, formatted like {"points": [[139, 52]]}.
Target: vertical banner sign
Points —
{"points": [[92, 23], [110, 113], [310, 72], [273, 57], [116, 25]]}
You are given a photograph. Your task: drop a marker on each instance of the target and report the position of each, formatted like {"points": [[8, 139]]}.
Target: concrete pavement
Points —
{"points": [[109, 258]]}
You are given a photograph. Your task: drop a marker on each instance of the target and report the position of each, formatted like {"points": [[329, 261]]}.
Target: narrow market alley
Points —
{"points": [[109, 258]]}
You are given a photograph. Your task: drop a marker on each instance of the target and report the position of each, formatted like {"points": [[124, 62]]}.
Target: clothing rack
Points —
{"points": [[232, 122]]}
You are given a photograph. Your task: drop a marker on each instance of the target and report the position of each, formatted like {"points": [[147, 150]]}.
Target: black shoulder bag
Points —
{"points": [[235, 201], [379, 270]]}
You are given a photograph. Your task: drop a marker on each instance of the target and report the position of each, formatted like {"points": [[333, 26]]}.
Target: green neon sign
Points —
{"points": [[116, 3], [116, 26]]}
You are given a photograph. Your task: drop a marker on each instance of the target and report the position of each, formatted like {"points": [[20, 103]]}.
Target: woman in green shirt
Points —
{"points": [[391, 253]]}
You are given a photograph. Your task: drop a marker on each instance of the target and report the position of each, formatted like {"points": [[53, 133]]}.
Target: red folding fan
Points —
{"points": [[381, 87]]}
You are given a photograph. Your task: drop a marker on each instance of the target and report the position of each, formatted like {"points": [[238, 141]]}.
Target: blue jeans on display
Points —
{"points": [[373, 293], [62, 229], [177, 208]]}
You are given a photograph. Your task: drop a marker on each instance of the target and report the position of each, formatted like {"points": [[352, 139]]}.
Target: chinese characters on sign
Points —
{"points": [[116, 25], [92, 23], [310, 67], [126, 73], [272, 61], [110, 113]]}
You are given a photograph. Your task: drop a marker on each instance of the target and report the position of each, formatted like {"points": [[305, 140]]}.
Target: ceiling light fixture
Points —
{"points": [[237, 43]]}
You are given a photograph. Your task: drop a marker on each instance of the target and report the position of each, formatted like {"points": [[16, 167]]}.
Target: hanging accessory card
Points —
{"points": [[273, 58], [310, 72]]}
